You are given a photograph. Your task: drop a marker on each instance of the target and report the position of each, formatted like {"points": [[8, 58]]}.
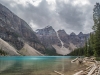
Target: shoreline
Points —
{"points": [[93, 66]]}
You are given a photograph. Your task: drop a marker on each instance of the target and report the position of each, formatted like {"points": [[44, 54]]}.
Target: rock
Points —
{"points": [[48, 36], [92, 69], [29, 51], [52, 39], [6, 47], [16, 31]]}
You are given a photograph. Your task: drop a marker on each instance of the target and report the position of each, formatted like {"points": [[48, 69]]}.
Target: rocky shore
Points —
{"points": [[93, 66]]}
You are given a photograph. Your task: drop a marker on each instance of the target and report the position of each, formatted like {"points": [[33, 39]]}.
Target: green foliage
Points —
{"points": [[89, 46], [77, 52], [51, 52], [97, 42], [96, 27], [87, 50], [2, 52], [92, 45], [98, 58]]}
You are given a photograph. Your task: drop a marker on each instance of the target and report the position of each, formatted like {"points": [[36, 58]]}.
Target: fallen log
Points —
{"points": [[88, 68], [78, 73], [58, 72], [74, 60], [98, 71], [93, 69]]}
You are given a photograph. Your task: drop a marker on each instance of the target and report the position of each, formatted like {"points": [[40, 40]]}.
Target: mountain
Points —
{"points": [[60, 41], [6, 47], [48, 36], [18, 38], [17, 32]]}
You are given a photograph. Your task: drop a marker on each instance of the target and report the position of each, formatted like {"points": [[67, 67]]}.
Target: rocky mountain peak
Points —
{"points": [[72, 34], [48, 27], [80, 34], [48, 30], [48, 36], [62, 32], [60, 39]]}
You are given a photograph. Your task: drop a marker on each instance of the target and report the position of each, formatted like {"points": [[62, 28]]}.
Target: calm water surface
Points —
{"points": [[37, 65]]}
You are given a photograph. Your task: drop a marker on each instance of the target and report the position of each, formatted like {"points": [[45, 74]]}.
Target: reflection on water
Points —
{"points": [[44, 65]]}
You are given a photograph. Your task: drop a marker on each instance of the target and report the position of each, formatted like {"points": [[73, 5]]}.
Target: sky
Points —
{"points": [[70, 15]]}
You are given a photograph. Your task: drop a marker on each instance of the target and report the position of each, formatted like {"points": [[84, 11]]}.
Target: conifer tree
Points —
{"points": [[85, 49], [96, 27]]}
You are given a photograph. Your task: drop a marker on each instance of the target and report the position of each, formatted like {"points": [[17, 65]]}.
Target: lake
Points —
{"points": [[37, 65]]}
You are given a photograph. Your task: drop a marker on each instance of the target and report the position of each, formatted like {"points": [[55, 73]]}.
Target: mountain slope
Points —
{"points": [[16, 31], [60, 40], [8, 48], [29, 51], [48, 36]]}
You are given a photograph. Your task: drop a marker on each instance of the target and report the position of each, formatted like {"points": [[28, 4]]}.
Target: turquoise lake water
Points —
{"points": [[37, 65]]}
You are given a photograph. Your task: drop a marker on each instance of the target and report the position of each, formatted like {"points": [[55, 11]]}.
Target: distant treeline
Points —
{"points": [[2, 52], [77, 52], [51, 52], [92, 45]]}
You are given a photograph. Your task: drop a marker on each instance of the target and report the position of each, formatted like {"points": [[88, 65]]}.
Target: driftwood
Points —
{"points": [[78, 59], [58, 73], [93, 69], [74, 60], [98, 71], [78, 73]]}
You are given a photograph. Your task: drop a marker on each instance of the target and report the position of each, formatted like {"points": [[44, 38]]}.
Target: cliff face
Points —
{"points": [[48, 36], [60, 40], [76, 40], [64, 37], [16, 31]]}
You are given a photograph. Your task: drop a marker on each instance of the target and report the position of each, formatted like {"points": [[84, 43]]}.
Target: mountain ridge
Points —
{"points": [[17, 32], [68, 41]]}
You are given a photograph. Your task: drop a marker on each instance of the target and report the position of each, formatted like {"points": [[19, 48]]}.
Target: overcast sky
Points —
{"points": [[70, 15]]}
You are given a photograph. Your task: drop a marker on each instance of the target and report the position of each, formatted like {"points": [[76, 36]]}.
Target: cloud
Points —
{"points": [[70, 15]]}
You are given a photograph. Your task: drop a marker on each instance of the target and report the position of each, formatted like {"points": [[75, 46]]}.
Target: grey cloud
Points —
{"points": [[71, 15], [94, 1], [71, 18], [40, 15]]}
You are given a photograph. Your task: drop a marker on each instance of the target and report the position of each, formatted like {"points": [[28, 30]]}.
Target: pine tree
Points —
{"points": [[96, 27], [85, 49], [88, 48], [92, 44], [97, 41]]}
